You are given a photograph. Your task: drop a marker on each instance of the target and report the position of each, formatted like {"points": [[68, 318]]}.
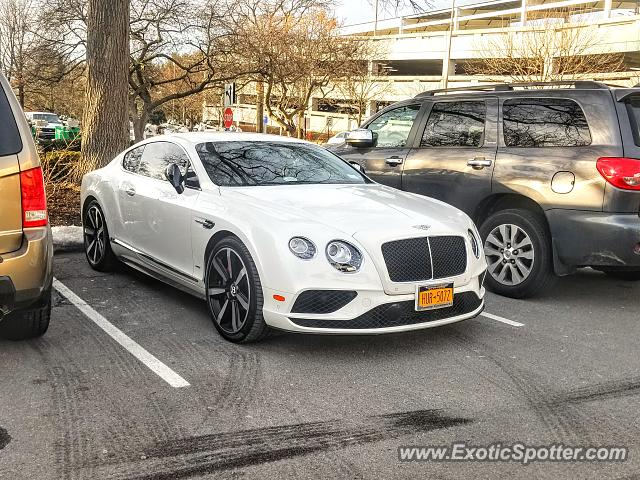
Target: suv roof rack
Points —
{"points": [[505, 87]]}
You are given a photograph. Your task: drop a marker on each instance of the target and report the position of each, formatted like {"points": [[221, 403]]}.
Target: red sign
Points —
{"points": [[228, 117]]}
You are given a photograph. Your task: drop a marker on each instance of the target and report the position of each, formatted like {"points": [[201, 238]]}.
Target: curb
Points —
{"points": [[67, 239]]}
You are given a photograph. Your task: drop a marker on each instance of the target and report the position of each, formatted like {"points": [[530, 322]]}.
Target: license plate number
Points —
{"points": [[432, 297]]}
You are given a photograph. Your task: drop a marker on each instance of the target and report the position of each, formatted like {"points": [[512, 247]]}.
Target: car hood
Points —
{"points": [[350, 208]]}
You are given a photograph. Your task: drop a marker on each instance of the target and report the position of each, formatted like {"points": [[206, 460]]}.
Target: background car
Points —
{"points": [[551, 175], [276, 232], [26, 250], [337, 139]]}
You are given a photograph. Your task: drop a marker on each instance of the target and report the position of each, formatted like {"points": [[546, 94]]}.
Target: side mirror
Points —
{"points": [[357, 166], [360, 138], [175, 177]]}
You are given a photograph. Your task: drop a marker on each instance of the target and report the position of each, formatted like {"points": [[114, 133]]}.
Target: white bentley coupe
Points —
{"points": [[280, 233]]}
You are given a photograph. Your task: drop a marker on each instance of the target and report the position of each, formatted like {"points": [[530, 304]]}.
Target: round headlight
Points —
{"points": [[475, 247], [343, 256], [302, 248]]}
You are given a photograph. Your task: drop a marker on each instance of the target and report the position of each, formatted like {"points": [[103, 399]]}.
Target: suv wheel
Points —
{"points": [[97, 246], [32, 323], [518, 250]]}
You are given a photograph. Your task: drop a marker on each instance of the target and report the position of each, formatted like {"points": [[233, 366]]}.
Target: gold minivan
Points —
{"points": [[26, 248]]}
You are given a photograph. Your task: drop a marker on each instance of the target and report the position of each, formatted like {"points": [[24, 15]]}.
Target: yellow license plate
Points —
{"points": [[432, 297]]}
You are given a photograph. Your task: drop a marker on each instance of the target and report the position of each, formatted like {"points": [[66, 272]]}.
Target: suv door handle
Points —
{"points": [[393, 161], [130, 191], [479, 163]]}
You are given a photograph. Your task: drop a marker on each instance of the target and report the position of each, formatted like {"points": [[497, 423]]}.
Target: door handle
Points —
{"points": [[393, 161], [479, 163], [208, 224], [130, 191]]}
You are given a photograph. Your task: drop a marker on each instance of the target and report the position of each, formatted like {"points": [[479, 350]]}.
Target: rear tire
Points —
{"points": [[517, 245], [97, 246], [235, 300], [32, 323]]}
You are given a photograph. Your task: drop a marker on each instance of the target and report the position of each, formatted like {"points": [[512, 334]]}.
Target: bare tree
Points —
{"points": [[158, 73], [364, 85], [296, 50], [17, 42], [546, 50], [105, 119]]}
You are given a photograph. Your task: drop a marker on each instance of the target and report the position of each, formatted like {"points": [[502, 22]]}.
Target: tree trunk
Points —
{"points": [[105, 122], [139, 125], [260, 126]]}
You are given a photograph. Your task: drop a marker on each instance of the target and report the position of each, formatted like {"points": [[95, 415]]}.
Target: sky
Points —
{"points": [[360, 11]]}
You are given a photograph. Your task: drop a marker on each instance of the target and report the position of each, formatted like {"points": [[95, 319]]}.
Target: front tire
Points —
{"points": [[517, 246], [97, 246], [234, 292]]}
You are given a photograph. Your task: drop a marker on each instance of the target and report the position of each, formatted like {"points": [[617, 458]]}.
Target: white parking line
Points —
{"points": [[502, 319], [155, 365]]}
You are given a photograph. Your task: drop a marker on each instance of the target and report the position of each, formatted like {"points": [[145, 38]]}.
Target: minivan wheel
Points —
{"points": [[97, 246], [32, 323], [517, 246], [234, 292]]}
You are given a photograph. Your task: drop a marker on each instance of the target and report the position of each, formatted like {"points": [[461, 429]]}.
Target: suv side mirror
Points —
{"points": [[360, 138], [175, 177]]}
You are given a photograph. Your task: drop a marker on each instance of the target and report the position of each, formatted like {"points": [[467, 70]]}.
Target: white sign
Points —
{"points": [[229, 94]]}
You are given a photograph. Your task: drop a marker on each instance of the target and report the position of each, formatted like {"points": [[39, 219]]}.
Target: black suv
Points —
{"points": [[550, 172]]}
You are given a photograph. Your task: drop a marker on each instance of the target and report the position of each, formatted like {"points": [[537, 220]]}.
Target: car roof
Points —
{"points": [[204, 137]]}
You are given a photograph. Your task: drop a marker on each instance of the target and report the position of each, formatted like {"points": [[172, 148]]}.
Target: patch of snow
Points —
{"points": [[67, 239]]}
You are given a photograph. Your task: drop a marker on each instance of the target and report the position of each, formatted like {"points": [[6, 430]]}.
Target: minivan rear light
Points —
{"points": [[34, 200], [620, 172]]}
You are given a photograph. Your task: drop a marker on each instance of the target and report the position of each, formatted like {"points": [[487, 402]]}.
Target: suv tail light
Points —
{"points": [[620, 172], [34, 200]]}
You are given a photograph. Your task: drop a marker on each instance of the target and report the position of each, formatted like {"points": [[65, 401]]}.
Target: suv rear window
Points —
{"points": [[544, 122], [455, 124], [633, 110], [10, 141]]}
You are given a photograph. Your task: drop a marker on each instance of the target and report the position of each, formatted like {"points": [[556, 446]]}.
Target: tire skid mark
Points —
{"points": [[557, 418], [69, 445], [602, 391], [79, 444], [238, 389], [5, 438], [210, 453]]}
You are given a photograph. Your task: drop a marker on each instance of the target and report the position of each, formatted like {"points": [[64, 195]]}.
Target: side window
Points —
{"points": [[158, 155], [544, 122], [455, 124], [393, 127], [10, 141], [132, 159]]}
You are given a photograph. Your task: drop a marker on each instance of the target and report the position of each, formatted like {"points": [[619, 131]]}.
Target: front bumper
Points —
{"points": [[594, 239], [26, 274], [374, 312]]}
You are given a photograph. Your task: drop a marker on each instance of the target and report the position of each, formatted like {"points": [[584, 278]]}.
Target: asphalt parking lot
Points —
{"points": [[77, 404]]}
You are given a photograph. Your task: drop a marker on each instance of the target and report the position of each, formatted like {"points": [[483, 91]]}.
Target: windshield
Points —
{"points": [[47, 117], [234, 164]]}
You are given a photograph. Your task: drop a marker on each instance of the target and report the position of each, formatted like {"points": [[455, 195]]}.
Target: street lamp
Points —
{"points": [[447, 57]]}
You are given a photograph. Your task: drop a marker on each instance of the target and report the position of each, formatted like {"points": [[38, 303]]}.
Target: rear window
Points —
{"points": [[633, 110], [10, 141], [544, 122], [455, 124]]}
